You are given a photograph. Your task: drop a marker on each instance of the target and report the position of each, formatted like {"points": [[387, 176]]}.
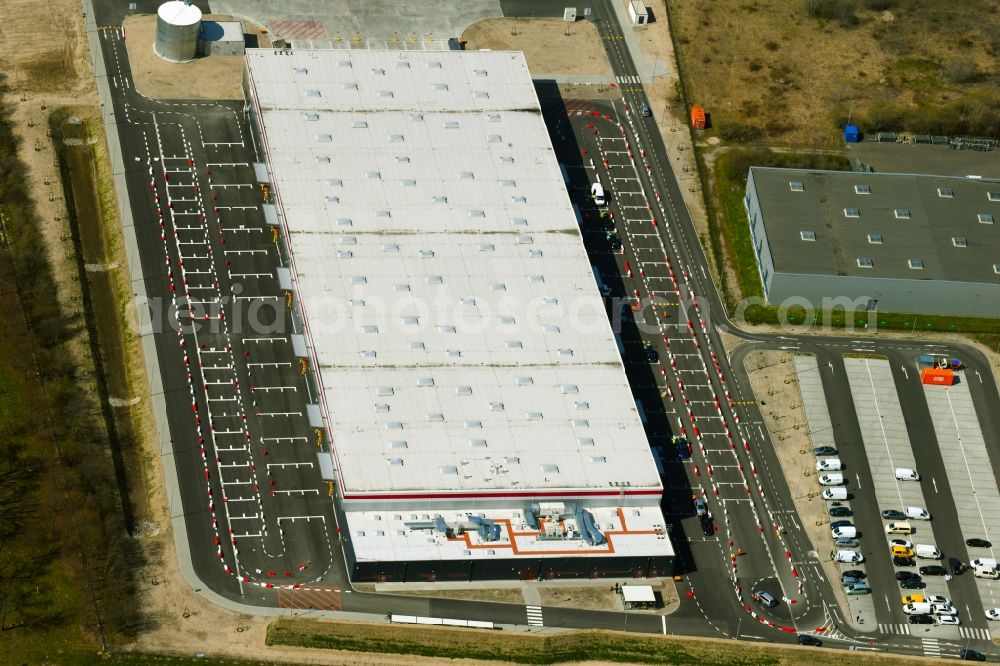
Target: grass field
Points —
{"points": [[552, 649], [791, 71]]}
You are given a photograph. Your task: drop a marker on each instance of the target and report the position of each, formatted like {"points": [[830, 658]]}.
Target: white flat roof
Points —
{"points": [[404, 536], [638, 593], [461, 340]]}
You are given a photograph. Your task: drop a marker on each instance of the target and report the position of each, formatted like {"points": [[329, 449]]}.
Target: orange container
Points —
{"points": [[937, 376], [697, 117]]}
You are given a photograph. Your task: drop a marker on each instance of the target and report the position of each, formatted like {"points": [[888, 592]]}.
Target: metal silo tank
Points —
{"points": [[177, 27]]}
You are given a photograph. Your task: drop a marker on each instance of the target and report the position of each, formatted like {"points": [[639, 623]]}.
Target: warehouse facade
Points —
{"points": [[863, 241], [473, 407]]}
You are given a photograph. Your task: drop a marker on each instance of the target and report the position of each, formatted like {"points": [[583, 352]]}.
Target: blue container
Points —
{"points": [[851, 134]]}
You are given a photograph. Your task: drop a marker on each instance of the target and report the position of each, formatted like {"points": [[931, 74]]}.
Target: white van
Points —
{"points": [[907, 474], [919, 608], [597, 193], [835, 493], [926, 551], [899, 528], [831, 480], [917, 513], [984, 562], [985, 572], [847, 532]]}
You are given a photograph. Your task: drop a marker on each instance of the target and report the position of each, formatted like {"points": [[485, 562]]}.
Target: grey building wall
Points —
{"points": [[758, 235], [891, 295]]}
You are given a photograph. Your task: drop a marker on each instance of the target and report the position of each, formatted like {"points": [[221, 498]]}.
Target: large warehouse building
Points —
{"points": [[477, 414], [889, 242]]}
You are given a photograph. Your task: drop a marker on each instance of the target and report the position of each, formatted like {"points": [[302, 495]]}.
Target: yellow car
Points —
{"points": [[913, 599], [902, 551]]}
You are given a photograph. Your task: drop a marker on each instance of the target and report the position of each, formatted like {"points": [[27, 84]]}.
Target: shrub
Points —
{"points": [[741, 132]]}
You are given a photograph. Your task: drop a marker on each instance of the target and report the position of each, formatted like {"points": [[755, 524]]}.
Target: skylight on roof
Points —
{"points": [[865, 262], [945, 192], [862, 189], [796, 186], [852, 212], [807, 235], [875, 239], [984, 218], [902, 213], [959, 241], [993, 196], [915, 264]]}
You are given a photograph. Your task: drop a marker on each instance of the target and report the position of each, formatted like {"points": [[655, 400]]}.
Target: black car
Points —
{"points": [[912, 584], [892, 514], [809, 640], [840, 523], [957, 566], [906, 575], [933, 570], [854, 573], [978, 543], [903, 561], [825, 451], [651, 355], [708, 525], [615, 243], [840, 512], [920, 619], [968, 654]]}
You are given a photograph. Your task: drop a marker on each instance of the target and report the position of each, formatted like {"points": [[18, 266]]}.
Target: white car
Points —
{"points": [[831, 480], [993, 613], [907, 474], [937, 599], [848, 557], [829, 465], [900, 542], [943, 609], [947, 619]]}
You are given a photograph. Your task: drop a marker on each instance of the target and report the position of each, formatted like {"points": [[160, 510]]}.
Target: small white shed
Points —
{"points": [[637, 12]]}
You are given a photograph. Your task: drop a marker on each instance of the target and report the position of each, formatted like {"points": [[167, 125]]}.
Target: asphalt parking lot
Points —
{"points": [[890, 421]]}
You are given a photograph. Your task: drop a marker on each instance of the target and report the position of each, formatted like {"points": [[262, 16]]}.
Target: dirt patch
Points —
{"points": [[510, 595], [590, 597], [772, 374], [217, 77], [550, 46]]}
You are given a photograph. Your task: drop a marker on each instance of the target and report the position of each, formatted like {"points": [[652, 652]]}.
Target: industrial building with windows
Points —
{"points": [[477, 415], [865, 241]]}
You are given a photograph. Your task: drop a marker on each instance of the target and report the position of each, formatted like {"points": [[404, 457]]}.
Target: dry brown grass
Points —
{"points": [[768, 64]]}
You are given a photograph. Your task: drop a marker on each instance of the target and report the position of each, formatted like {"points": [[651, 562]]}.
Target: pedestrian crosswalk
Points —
{"points": [[903, 629], [628, 79], [975, 632], [931, 647], [534, 616]]}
